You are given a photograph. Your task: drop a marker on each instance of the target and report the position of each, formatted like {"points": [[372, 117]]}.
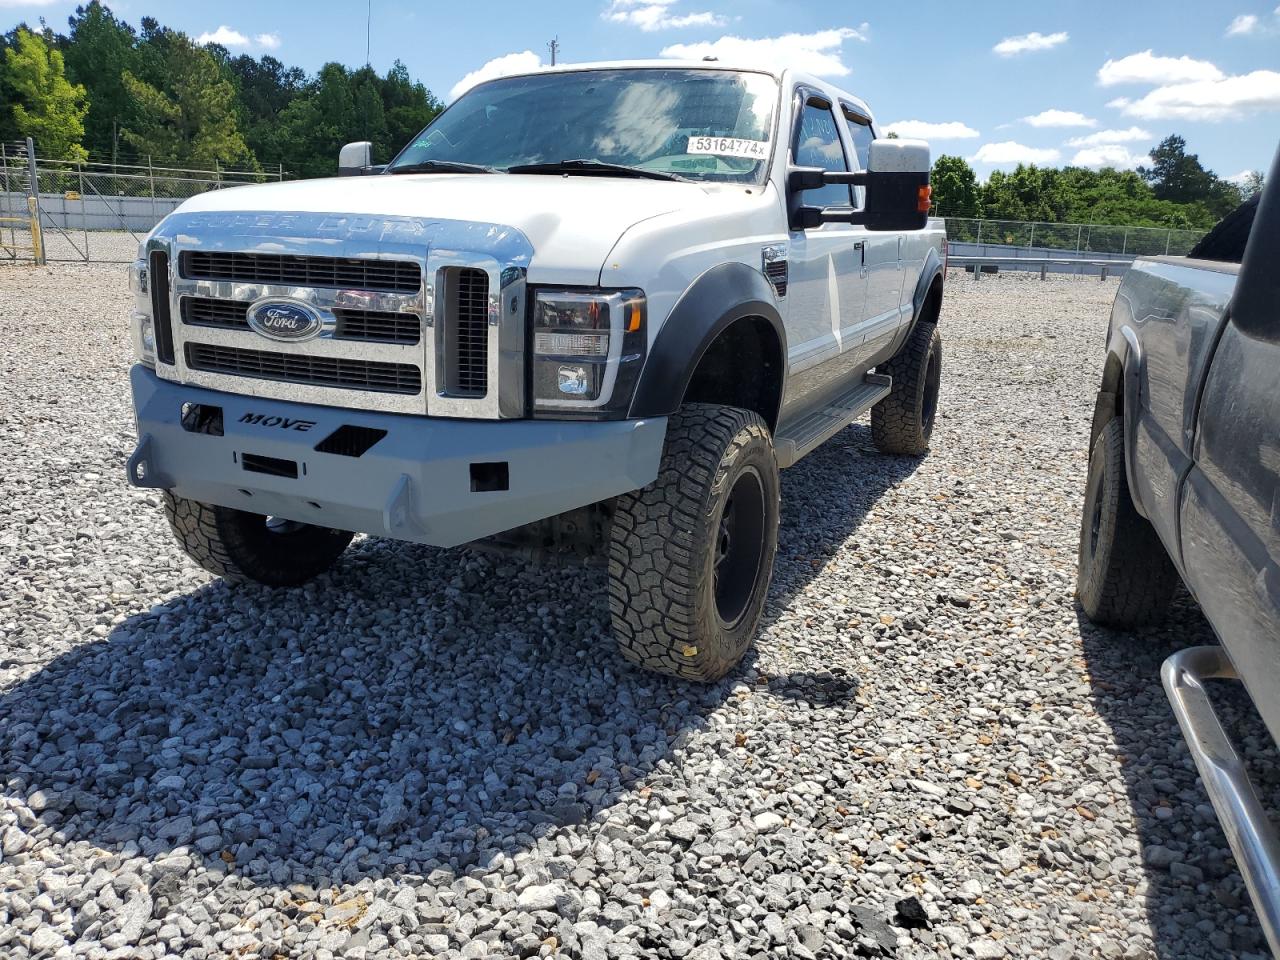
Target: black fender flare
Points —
{"points": [[928, 273], [718, 298]]}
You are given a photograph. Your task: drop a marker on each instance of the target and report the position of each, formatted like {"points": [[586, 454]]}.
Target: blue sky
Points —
{"points": [[997, 82]]}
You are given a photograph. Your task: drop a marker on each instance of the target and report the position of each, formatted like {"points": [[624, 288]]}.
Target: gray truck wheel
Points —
{"points": [[691, 555], [240, 546], [1124, 577], [903, 421]]}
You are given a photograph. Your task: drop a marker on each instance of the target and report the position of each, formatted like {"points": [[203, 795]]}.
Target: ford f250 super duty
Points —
{"points": [[1184, 482], [586, 309]]}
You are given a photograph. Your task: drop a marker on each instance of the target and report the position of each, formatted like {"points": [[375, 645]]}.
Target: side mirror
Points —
{"points": [[897, 189], [355, 159], [1255, 304]]}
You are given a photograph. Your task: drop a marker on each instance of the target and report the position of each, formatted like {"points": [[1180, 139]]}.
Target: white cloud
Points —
{"points": [[1108, 155], [818, 52], [1012, 152], [1243, 25], [651, 15], [1110, 136], [1060, 118], [1227, 98], [925, 130], [1028, 42], [1147, 68], [224, 36], [1240, 178], [498, 67]]}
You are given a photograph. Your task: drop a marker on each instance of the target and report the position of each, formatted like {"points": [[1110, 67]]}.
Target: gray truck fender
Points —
{"points": [[715, 300], [932, 267], [1131, 360]]}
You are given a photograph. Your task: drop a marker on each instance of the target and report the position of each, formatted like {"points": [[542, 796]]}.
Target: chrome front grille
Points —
{"points": [[315, 371], [397, 276], [373, 326], [466, 332], [416, 316]]}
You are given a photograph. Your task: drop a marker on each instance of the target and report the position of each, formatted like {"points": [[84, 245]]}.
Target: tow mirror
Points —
{"points": [[355, 159], [896, 183]]}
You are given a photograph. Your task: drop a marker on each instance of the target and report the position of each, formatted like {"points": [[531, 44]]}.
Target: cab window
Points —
{"points": [[818, 145]]}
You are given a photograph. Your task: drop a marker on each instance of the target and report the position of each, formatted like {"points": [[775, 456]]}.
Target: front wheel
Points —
{"points": [[1124, 576], [691, 555], [240, 546]]}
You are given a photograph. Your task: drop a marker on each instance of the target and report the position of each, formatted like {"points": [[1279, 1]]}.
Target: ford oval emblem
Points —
{"points": [[284, 320]]}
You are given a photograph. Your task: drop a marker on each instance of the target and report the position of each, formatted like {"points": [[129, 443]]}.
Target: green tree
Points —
{"points": [[47, 106], [409, 107], [955, 188], [1178, 176], [192, 120], [99, 49], [1251, 184]]}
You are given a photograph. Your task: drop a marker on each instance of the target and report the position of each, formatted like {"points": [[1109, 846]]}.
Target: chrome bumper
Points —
{"points": [[1249, 831]]}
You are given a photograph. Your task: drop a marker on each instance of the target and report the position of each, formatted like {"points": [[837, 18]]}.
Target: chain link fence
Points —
{"points": [[95, 211], [1092, 238]]}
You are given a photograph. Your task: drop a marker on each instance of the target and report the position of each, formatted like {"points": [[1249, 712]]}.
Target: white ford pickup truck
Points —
{"points": [[588, 310]]}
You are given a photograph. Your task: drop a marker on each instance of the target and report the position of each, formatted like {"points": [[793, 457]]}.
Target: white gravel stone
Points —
{"points": [[437, 753]]}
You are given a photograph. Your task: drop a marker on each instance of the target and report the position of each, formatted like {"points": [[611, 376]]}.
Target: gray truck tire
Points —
{"points": [[241, 547], [903, 421], [691, 555], [1124, 577]]}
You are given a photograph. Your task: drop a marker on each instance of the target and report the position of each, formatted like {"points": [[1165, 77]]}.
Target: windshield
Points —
{"points": [[700, 124]]}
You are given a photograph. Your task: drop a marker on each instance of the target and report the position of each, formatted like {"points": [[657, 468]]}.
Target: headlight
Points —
{"points": [[141, 328], [588, 347]]}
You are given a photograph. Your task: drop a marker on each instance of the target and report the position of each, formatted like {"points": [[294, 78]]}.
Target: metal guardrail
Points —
{"points": [[1043, 263]]}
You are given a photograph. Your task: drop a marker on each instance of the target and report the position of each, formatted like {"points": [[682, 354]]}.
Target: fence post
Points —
{"points": [[1079, 234], [1031, 237], [151, 179], [1124, 245], [33, 204], [979, 240], [1168, 239], [84, 217]]}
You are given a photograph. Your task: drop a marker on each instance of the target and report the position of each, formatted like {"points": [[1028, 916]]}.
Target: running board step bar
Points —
{"points": [[800, 437], [1249, 831]]}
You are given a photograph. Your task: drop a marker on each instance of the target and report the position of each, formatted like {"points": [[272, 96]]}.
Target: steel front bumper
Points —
{"points": [[442, 482]]}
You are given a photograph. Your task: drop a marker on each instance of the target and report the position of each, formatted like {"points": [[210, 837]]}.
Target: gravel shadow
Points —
{"points": [[1196, 901], [414, 711]]}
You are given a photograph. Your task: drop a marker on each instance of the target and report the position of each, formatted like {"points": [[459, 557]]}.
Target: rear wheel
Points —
{"points": [[1124, 577], [691, 555], [903, 421], [240, 546]]}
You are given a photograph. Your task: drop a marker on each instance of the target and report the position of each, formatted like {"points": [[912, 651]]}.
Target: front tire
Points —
{"points": [[902, 422], [1124, 577], [691, 555], [240, 546]]}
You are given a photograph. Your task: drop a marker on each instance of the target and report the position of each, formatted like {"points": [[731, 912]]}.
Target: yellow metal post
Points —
{"points": [[37, 241]]}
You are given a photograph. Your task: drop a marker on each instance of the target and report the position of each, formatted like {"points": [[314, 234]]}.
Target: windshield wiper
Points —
{"points": [[594, 166], [442, 166]]}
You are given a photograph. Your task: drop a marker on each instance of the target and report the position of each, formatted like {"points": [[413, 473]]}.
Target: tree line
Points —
{"points": [[107, 92], [1175, 191]]}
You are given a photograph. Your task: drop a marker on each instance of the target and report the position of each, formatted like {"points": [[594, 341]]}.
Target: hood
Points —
{"points": [[572, 222]]}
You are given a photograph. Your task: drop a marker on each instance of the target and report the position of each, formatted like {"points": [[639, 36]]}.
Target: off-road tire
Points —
{"points": [[903, 421], [664, 542], [1124, 577], [1226, 241], [240, 547]]}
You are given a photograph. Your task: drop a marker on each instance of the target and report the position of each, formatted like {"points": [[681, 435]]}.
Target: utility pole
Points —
{"points": [[554, 47], [368, 34]]}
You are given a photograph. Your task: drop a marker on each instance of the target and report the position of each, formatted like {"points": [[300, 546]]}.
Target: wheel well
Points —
{"points": [[931, 308], [726, 373]]}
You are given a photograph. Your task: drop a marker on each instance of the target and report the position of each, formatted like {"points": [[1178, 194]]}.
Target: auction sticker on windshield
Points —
{"points": [[729, 147]]}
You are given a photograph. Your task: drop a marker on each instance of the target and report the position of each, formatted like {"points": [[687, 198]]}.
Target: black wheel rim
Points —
{"points": [[739, 547], [932, 381]]}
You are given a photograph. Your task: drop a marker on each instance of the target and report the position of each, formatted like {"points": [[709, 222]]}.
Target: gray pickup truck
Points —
{"points": [[1184, 482]]}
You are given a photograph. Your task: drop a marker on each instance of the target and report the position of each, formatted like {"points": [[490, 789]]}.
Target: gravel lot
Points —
{"points": [[436, 753]]}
